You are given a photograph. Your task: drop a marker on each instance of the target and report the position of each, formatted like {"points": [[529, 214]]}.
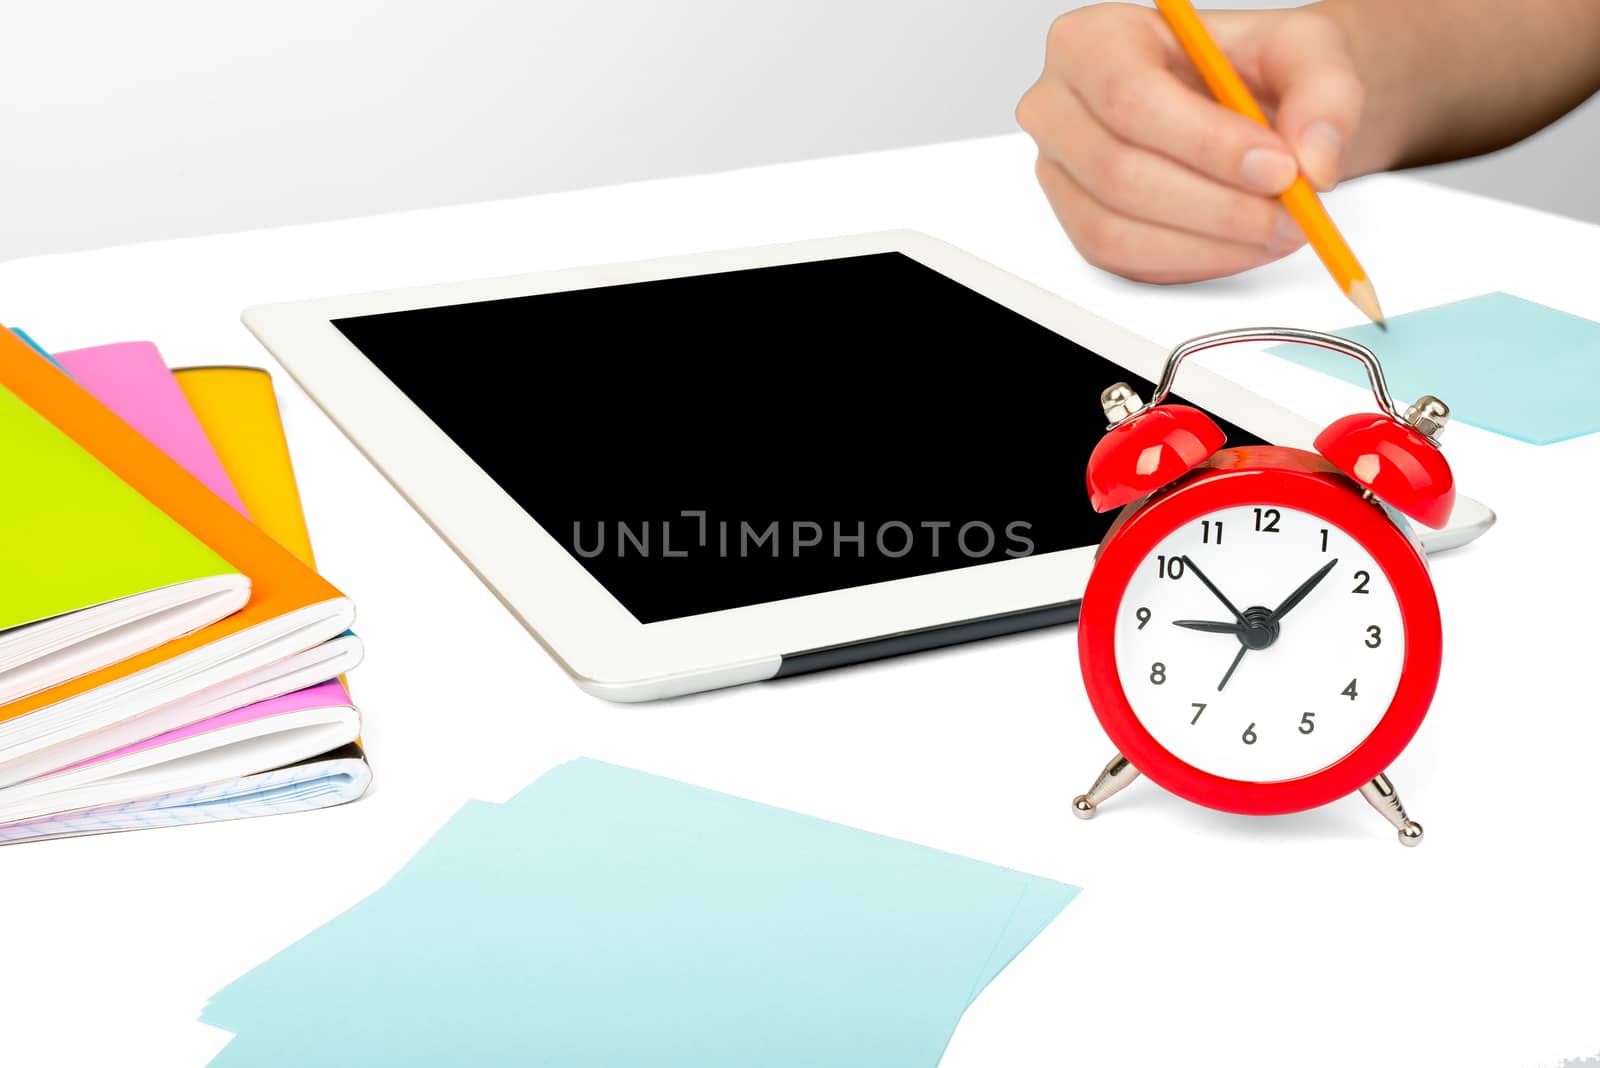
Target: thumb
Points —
{"points": [[1306, 67]]}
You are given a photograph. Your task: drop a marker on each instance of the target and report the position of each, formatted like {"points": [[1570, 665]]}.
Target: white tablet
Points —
{"points": [[715, 469]]}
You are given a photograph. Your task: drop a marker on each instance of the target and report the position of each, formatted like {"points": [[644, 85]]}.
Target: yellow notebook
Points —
{"points": [[238, 410]]}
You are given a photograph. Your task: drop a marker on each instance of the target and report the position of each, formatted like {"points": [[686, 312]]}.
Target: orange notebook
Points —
{"points": [[270, 646]]}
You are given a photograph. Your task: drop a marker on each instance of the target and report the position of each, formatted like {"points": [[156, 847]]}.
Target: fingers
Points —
{"points": [[1119, 62], [1154, 180], [1137, 249], [1306, 66], [1136, 182], [1150, 177]]}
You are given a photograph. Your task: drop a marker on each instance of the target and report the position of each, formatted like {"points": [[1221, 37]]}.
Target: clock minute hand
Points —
{"points": [[1301, 591], [1210, 626], [1212, 586]]}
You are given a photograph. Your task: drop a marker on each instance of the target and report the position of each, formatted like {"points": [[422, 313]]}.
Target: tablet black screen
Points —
{"points": [[724, 440]]}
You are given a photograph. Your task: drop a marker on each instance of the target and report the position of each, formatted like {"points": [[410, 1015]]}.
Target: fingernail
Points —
{"points": [[1267, 170], [1320, 148]]}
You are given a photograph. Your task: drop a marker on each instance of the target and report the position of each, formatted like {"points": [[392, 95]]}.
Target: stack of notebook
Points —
{"points": [[168, 652]]}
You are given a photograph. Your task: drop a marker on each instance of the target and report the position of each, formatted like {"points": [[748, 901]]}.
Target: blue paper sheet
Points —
{"points": [[1500, 362], [34, 345], [606, 917]]}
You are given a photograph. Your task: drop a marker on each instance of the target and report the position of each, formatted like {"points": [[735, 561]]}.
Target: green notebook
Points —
{"points": [[90, 571]]}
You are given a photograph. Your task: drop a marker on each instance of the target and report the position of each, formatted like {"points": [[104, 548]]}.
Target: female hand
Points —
{"points": [[1154, 180]]}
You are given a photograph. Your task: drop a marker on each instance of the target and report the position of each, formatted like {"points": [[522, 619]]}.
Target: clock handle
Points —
{"points": [[1381, 796], [1114, 777], [1332, 342], [1394, 458]]}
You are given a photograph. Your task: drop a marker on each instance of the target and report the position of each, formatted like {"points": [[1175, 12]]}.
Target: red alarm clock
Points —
{"points": [[1259, 633]]}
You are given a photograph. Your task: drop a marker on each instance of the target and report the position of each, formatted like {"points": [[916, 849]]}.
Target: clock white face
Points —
{"points": [[1277, 686]]}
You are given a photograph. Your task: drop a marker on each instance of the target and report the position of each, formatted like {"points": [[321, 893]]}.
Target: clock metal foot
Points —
{"points": [[1381, 796], [1116, 775]]}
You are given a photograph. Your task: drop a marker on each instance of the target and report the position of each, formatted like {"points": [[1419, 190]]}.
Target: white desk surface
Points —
{"points": [[1309, 940]]}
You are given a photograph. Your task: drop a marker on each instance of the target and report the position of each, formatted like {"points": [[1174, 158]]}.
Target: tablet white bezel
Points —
{"points": [[598, 641]]}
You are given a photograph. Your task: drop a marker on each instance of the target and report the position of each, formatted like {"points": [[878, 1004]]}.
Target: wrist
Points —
{"points": [[1389, 113]]}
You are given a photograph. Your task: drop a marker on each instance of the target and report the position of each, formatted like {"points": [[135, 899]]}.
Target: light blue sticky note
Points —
{"points": [[1039, 903], [34, 345], [607, 917], [1500, 362]]}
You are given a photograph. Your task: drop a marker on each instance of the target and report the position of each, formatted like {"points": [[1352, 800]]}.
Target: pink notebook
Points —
{"points": [[133, 381]]}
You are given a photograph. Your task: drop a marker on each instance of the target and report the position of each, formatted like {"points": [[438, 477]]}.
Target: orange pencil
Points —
{"points": [[1299, 198]]}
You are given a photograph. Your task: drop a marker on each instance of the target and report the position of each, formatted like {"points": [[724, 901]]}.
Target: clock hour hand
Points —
{"points": [[1212, 586], [1302, 590], [1210, 626]]}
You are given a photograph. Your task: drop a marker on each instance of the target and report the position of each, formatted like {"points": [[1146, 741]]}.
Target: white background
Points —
{"points": [[124, 122], [1311, 940]]}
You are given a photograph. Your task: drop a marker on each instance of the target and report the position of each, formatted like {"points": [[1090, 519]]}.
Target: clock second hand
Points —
{"points": [[1212, 586], [1243, 623], [1237, 657], [1238, 630]]}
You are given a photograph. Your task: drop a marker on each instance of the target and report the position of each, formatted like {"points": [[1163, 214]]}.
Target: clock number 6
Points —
{"points": [[1249, 735]]}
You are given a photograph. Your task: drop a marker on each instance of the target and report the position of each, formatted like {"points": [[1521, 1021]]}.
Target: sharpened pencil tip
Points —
{"points": [[1363, 296]]}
